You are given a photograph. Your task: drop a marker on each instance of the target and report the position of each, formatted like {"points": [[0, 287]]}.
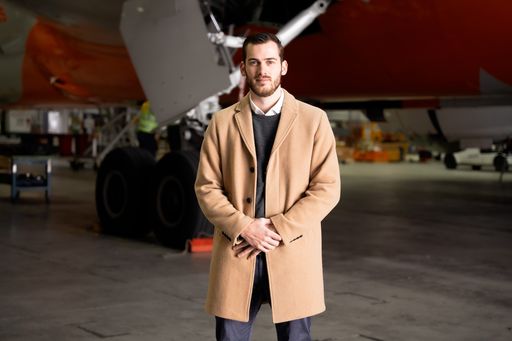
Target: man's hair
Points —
{"points": [[262, 38]]}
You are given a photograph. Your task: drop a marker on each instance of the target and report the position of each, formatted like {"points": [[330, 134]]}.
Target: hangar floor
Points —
{"points": [[414, 252]]}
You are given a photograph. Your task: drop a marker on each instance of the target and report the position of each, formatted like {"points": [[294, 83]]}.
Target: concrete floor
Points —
{"points": [[413, 252]]}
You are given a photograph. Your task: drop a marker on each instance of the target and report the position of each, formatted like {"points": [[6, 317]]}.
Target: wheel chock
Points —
{"points": [[200, 245]]}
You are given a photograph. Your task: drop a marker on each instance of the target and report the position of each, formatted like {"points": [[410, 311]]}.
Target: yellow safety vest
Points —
{"points": [[147, 121]]}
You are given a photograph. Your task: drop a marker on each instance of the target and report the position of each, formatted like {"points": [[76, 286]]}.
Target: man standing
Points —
{"points": [[146, 129], [268, 174]]}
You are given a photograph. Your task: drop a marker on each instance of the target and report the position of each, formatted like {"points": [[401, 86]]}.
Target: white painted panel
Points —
{"points": [[476, 123], [410, 121], [175, 62], [22, 121], [13, 36]]}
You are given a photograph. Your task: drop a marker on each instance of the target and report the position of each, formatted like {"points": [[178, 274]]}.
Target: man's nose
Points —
{"points": [[262, 70]]}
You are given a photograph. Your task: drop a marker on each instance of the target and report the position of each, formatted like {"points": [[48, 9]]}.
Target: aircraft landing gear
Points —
{"points": [[500, 163], [449, 161], [176, 215], [121, 191]]}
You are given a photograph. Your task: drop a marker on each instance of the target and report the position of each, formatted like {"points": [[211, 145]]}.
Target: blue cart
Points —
{"points": [[21, 181]]}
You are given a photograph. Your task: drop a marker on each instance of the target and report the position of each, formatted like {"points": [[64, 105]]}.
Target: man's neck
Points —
{"points": [[265, 103]]}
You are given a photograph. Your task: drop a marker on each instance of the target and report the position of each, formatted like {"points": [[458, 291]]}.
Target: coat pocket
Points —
{"points": [[226, 236], [296, 238]]}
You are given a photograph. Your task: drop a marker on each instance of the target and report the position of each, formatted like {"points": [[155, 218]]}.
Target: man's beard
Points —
{"points": [[264, 91]]}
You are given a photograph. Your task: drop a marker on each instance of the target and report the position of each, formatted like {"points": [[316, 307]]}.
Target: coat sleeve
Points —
{"points": [[210, 191], [323, 192]]}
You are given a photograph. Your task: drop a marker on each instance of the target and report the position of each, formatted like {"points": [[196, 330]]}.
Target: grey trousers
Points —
{"points": [[231, 330]]}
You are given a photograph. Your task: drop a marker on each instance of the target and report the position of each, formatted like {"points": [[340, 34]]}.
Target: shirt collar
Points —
{"points": [[275, 110]]}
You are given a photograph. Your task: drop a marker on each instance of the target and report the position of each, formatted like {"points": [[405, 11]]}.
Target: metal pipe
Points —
{"points": [[294, 27]]}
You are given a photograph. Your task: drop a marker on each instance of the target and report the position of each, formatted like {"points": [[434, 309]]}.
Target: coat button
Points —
{"points": [[251, 169], [249, 200]]}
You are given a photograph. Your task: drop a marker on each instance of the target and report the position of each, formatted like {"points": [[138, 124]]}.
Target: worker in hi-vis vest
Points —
{"points": [[146, 129]]}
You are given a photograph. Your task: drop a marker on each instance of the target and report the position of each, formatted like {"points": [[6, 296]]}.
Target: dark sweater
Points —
{"points": [[265, 128]]}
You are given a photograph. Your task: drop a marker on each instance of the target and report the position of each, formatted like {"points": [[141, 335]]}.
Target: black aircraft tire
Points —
{"points": [[450, 162], [500, 163], [176, 214], [121, 191]]}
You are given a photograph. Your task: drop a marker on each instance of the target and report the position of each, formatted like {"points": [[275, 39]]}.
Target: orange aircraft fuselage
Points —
{"points": [[58, 67]]}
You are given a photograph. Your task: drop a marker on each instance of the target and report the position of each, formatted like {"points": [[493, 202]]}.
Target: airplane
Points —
{"points": [[54, 52], [433, 68]]}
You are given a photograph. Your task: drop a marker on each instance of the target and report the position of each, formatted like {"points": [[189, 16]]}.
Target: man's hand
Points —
{"points": [[259, 236], [244, 249]]}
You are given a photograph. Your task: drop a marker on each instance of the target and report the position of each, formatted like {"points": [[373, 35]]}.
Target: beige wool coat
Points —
{"points": [[302, 187]]}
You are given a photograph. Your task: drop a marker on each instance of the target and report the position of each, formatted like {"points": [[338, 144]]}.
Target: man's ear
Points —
{"points": [[284, 67], [242, 69]]}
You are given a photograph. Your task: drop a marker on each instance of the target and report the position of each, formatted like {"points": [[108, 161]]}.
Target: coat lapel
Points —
{"points": [[288, 117], [243, 119]]}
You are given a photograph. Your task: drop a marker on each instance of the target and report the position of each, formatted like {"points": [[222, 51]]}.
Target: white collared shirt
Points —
{"points": [[276, 109]]}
